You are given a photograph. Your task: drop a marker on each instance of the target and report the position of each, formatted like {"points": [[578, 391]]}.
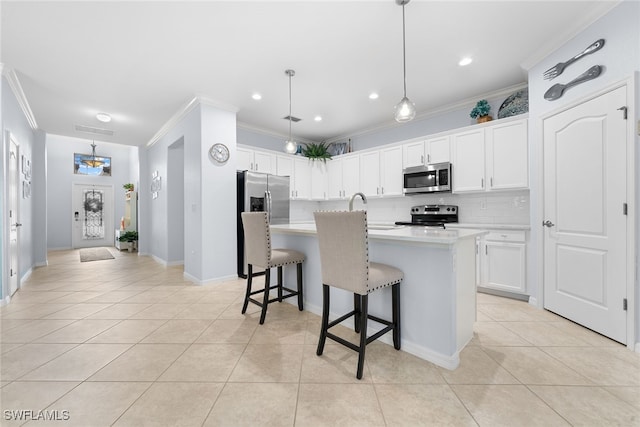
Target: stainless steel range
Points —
{"points": [[432, 215]]}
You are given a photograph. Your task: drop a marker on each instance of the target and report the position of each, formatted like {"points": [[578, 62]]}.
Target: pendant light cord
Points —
{"points": [[289, 72], [404, 54]]}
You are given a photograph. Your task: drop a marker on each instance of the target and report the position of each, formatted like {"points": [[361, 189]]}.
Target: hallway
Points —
{"points": [[129, 342]]}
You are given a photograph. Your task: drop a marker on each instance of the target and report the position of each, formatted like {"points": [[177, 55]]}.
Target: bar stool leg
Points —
{"points": [[395, 301], [247, 294], [356, 317], [325, 319], [280, 284], [363, 334], [265, 300], [299, 274]]}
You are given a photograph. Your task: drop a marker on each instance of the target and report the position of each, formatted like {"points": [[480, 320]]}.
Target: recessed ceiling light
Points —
{"points": [[465, 61], [318, 118], [103, 117], [256, 96], [373, 95]]}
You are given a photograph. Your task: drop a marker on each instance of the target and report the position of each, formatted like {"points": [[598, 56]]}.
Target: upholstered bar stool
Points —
{"points": [[257, 236], [344, 258]]}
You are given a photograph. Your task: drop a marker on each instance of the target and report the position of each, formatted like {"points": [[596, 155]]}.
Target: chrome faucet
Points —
{"points": [[364, 200]]}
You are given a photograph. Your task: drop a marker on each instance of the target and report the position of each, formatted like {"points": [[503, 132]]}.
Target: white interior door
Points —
{"points": [[14, 218], [92, 215], [585, 233]]}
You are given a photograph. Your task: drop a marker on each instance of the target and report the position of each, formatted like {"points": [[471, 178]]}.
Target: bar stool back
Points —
{"points": [[344, 257], [260, 254]]}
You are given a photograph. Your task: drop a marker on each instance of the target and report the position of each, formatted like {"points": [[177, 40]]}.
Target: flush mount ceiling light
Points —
{"points": [[465, 61], [103, 117], [373, 95], [93, 162], [289, 145], [318, 118], [405, 110], [256, 96]]}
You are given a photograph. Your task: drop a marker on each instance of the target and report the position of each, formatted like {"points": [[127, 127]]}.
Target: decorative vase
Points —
{"points": [[483, 119]]}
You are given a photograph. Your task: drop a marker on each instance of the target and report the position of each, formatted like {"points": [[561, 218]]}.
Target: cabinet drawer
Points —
{"points": [[506, 236]]}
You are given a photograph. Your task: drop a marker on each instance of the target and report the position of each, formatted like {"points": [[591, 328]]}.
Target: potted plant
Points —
{"points": [[318, 151], [130, 237], [481, 111], [128, 186]]}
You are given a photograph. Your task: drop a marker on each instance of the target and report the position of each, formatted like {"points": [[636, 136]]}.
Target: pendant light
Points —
{"points": [[405, 110], [289, 145], [93, 162]]}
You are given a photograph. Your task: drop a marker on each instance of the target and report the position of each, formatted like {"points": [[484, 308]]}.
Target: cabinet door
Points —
{"points": [[504, 266], [438, 150], [507, 156], [284, 167], [350, 175], [468, 161], [264, 162], [413, 154], [318, 180], [391, 180], [245, 159], [302, 179], [370, 173], [334, 179]]}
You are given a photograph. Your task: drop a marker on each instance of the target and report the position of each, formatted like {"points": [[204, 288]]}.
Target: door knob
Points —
{"points": [[548, 223], [18, 224]]}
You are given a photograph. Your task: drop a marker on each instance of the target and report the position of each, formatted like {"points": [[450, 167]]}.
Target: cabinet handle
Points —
{"points": [[428, 158], [382, 188], [377, 190], [481, 182], [422, 158], [486, 250], [296, 193], [256, 166], [491, 182], [292, 195]]}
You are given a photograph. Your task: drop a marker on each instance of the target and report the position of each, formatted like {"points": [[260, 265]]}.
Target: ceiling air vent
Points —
{"points": [[98, 131], [293, 119]]}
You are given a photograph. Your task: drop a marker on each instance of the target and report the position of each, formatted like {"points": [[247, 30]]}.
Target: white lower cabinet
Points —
{"points": [[502, 261]]}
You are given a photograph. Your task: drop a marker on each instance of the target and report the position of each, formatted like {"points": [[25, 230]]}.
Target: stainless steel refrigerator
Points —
{"points": [[260, 192]]}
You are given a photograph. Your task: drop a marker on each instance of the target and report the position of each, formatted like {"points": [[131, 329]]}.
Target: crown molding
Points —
{"points": [[16, 88], [284, 137], [186, 109], [545, 50], [465, 103]]}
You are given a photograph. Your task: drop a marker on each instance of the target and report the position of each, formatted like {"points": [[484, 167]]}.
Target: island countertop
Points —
{"points": [[415, 234]]}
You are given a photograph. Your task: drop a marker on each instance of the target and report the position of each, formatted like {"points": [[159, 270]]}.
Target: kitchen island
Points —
{"points": [[438, 293]]}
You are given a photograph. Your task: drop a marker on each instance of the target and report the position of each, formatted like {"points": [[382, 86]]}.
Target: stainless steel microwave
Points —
{"points": [[431, 178]]}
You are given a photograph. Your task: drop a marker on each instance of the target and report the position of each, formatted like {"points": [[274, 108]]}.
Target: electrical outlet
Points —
{"points": [[483, 204]]}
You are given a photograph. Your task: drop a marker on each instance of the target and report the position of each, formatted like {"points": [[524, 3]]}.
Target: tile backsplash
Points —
{"points": [[486, 208]]}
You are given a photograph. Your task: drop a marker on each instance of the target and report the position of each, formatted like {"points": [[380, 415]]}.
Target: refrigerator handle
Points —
{"points": [[267, 198]]}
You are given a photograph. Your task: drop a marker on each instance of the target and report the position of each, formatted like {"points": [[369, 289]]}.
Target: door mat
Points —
{"points": [[95, 254]]}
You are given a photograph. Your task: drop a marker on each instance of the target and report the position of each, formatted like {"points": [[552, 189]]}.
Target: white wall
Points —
{"points": [[620, 57], [60, 179], [176, 205], [209, 195], [14, 121]]}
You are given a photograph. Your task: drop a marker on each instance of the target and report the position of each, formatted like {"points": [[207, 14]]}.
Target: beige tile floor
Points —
{"points": [[128, 342]]}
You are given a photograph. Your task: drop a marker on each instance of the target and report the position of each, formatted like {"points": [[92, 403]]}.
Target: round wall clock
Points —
{"points": [[219, 152]]}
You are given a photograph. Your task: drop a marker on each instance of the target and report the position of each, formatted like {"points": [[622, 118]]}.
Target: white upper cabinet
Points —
{"points": [[438, 150], [256, 161], [301, 188], [391, 180], [319, 185], [507, 156], [343, 177], [468, 161], [413, 154], [381, 172], [433, 150], [284, 165], [492, 158]]}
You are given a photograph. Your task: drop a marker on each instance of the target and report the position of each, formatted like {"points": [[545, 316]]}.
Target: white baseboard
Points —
{"points": [[26, 275], [175, 263], [159, 260], [4, 301], [42, 264], [637, 349], [533, 301], [209, 281]]}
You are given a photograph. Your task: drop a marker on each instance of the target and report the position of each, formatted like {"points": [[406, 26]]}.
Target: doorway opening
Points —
{"points": [[92, 219]]}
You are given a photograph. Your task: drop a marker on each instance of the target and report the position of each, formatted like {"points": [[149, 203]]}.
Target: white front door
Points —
{"points": [[14, 219], [92, 215], [585, 233]]}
